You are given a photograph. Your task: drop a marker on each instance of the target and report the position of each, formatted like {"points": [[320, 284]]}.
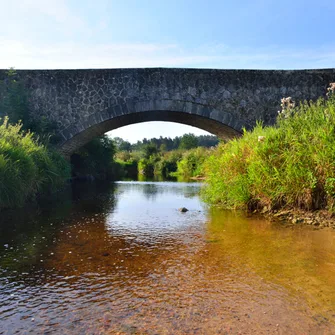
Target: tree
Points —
{"points": [[121, 144], [150, 150], [95, 158], [188, 141]]}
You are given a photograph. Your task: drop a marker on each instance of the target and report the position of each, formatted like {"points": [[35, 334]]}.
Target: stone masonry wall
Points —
{"points": [[81, 99]]}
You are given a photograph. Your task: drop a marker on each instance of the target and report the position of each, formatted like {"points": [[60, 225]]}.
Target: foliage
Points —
{"points": [[26, 167], [291, 164], [145, 167], [121, 145], [95, 159], [160, 157], [191, 163], [167, 165], [188, 141], [149, 151], [125, 169]]}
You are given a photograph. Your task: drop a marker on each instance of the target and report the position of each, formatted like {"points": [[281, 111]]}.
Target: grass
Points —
{"points": [[26, 167], [291, 164]]}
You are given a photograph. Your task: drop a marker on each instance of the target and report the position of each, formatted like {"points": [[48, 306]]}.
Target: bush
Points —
{"points": [[145, 167], [96, 159], [26, 167], [167, 164], [291, 164], [191, 164], [125, 169]]}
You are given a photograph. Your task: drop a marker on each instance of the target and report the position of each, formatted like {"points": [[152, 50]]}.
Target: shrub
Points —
{"points": [[290, 164], [26, 167], [145, 167], [167, 163], [191, 163], [96, 159], [125, 169]]}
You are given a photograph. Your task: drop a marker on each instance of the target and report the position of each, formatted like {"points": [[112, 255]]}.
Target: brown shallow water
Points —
{"points": [[121, 259]]}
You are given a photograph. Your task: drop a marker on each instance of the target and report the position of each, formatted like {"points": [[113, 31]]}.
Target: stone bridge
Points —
{"points": [[88, 103]]}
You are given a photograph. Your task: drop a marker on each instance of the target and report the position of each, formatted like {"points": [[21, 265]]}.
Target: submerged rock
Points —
{"points": [[183, 209]]}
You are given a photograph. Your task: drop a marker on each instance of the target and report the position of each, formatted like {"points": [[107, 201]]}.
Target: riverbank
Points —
{"points": [[318, 219], [287, 166], [27, 167]]}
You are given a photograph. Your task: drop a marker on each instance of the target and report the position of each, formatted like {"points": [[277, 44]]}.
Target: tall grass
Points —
{"points": [[291, 164], [26, 167]]}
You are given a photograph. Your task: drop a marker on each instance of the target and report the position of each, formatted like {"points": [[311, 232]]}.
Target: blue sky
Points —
{"points": [[265, 34]]}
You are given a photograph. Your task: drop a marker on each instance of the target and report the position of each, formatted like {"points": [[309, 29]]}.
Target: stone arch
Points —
{"points": [[219, 123]]}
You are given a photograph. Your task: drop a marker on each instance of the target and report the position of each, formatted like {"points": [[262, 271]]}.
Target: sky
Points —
{"points": [[236, 34]]}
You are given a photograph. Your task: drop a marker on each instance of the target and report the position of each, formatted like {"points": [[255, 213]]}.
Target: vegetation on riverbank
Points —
{"points": [[155, 160], [165, 144], [114, 159], [27, 167], [191, 163], [95, 160], [289, 165]]}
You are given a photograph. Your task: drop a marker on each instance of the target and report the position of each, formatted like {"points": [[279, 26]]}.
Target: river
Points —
{"points": [[120, 258]]}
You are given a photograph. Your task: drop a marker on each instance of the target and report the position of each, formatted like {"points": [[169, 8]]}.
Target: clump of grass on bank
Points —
{"points": [[291, 164], [191, 162], [27, 167]]}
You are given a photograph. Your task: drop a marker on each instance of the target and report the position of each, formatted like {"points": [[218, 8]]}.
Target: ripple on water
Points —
{"points": [[125, 260]]}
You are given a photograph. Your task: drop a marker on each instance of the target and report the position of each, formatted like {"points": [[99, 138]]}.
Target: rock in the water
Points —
{"points": [[183, 209]]}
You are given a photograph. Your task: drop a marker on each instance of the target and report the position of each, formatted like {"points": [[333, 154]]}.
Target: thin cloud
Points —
{"points": [[23, 55], [25, 43]]}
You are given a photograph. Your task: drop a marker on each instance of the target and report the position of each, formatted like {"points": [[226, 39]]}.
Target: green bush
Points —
{"points": [[26, 167], [290, 164], [155, 162], [95, 159], [191, 163], [150, 157], [167, 164], [146, 167], [125, 169]]}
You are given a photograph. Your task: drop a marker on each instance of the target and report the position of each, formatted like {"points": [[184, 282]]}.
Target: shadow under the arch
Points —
{"points": [[223, 125]]}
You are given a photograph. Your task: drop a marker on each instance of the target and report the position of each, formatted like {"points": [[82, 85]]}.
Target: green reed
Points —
{"points": [[26, 166]]}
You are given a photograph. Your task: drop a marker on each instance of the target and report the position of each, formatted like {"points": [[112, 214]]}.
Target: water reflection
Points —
{"points": [[149, 210], [300, 258], [121, 259], [27, 235]]}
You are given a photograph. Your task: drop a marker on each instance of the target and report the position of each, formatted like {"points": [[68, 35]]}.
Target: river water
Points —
{"points": [[121, 259]]}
